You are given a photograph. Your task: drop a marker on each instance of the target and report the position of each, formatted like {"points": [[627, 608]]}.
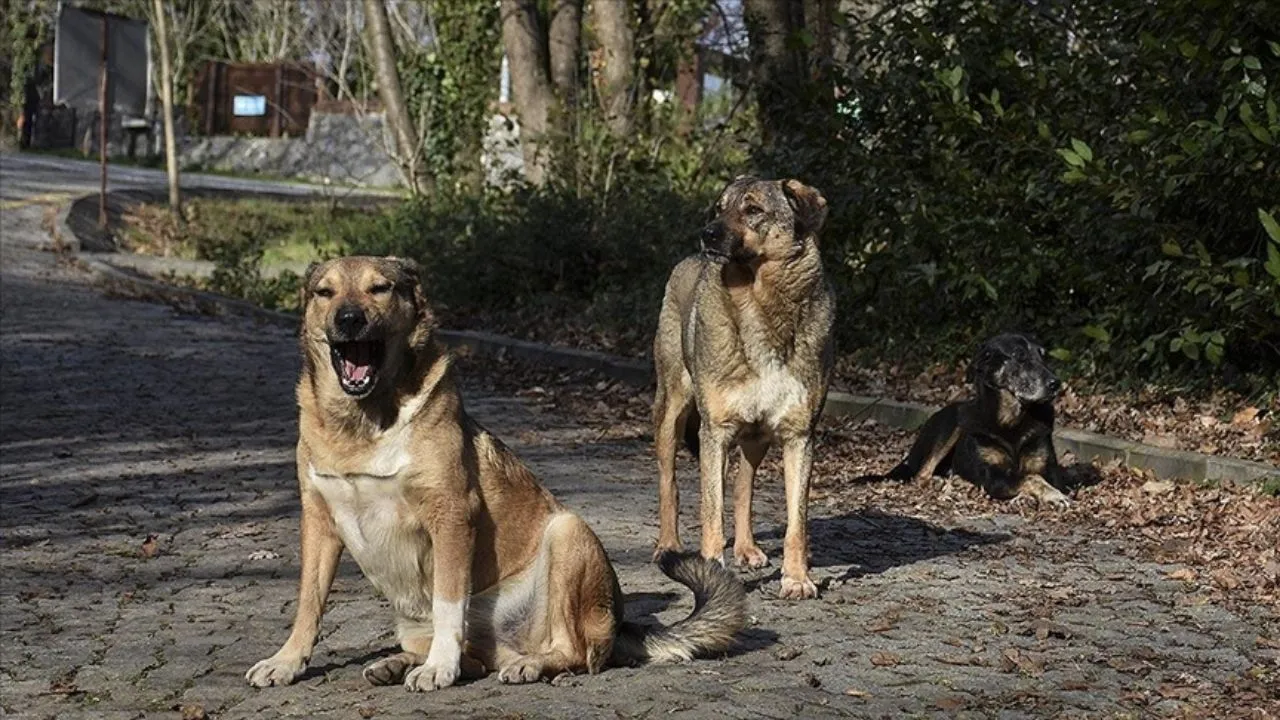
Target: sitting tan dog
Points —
{"points": [[483, 568]]}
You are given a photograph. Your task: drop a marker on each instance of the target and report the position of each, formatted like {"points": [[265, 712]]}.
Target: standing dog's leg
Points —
{"points": [[797, 466], [671, 412], [745, 551], [713, 465], [452, 547], [321, 549]]}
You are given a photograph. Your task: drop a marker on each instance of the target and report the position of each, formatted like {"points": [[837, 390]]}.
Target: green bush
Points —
{"points": [[1098, 177]]}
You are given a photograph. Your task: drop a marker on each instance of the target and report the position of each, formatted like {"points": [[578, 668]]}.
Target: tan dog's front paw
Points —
{"points": [[749, 556], [429, 676], [798, 589], [278, 670]]}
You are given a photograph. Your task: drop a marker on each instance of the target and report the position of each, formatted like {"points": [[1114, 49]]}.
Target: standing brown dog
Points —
{"points": [[481, 565], [743, 355]]}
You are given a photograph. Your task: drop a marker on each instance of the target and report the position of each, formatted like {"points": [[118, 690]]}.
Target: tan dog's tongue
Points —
{"points": [[354, 371]]}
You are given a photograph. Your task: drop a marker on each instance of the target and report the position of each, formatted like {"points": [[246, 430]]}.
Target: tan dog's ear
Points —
{"points": [[304, 292], [808, 205], [409, 281]]}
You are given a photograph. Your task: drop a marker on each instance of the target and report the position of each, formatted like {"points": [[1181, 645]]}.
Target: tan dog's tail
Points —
{"points": [[719, 612]]}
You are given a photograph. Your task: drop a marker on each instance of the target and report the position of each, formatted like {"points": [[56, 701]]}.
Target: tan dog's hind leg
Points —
{"points": [[1036, 487], [575, 628], [713, 466], [745, 551], [671, 412], [415, 642], [321, 549], [797, 465]]}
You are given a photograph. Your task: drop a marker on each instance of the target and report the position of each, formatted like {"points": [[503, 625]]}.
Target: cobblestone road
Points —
{"points": [[149, 556]]}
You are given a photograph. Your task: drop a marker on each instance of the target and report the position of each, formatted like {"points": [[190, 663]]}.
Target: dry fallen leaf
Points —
{"points": [[1244, 416], [951, 704], [885, 659], [1185, 574], [367, 711], [151, 546], [193, 712], [1014, 659], [1158, 487], [854, 692]]}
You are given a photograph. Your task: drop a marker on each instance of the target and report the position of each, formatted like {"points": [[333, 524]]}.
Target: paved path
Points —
{"points": [[31, 178], [148, 556]]}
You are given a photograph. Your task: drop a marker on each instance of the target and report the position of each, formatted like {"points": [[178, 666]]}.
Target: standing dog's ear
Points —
{"points": [[809, 206]]}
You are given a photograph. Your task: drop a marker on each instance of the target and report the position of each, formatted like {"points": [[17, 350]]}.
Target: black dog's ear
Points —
{"points": [[808, 205], [982, 366]]}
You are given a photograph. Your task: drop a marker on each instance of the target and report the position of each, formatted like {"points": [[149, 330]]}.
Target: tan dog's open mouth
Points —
{"points": [[357, 364]]}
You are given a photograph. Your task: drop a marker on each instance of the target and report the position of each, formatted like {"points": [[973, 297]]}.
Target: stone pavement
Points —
{"points": [[148, 556]]}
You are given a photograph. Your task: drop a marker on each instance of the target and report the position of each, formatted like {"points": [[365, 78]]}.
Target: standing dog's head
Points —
{"points": [[364, 315], [759, 220], [1016, 364]]}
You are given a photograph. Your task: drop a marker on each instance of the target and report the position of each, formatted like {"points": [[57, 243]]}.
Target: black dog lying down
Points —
{"points": [[1002, 440]]}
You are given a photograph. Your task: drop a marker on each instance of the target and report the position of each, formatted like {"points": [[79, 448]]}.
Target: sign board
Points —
{"points": [[77, 56], [249, 105]]}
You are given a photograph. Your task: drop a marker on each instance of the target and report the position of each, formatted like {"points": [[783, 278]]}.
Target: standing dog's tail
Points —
{"points": [[719, 612]]}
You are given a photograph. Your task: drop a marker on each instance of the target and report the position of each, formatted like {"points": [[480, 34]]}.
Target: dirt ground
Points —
{"points": [[149, 534]]}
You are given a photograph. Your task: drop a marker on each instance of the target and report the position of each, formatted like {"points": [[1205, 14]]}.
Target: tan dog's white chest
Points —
{"points": [[379, 528], [774, 391]]}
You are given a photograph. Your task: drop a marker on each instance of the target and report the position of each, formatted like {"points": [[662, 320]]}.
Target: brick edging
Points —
{"points": [[1165, 463]]}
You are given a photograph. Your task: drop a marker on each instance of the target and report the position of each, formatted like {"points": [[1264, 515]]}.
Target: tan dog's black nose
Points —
{"points": [[350, 321]]}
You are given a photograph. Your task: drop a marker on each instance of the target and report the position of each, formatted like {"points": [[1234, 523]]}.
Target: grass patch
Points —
{"points": [[282, 232]]}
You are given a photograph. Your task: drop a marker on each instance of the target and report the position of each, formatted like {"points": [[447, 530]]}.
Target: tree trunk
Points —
{"points": [[616, 33], [407, 151], [776, 69], [565, 43], [530, 86], [166, 105]]}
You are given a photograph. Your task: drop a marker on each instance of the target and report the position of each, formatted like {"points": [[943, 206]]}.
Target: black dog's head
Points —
{"points": [[758, 220], [1014, 363]]}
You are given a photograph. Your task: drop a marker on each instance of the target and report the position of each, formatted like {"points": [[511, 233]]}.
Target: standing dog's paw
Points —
{"points": [[665, 547], [429, 676], [276, 670], [749, 556], [797, 589]]}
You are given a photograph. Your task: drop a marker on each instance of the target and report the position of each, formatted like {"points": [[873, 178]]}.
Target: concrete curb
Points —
{"points": [[1086, 446]]}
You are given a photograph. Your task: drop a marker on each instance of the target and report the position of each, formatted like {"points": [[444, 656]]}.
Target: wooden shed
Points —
{"points": [[265, 99]]}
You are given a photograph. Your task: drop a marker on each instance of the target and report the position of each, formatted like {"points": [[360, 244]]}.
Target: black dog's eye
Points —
{"points": [[381, 289], [324, 292]]}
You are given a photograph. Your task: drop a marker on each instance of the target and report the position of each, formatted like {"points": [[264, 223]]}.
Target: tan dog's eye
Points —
{"points": [[324, 292], [753, 210], [381, 289]]}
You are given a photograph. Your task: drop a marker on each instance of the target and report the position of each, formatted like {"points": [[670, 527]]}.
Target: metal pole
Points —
{"points": [[103, 111]]}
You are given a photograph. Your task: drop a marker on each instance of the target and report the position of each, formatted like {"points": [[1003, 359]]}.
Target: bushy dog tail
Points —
{"points": [[719, 612]]}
